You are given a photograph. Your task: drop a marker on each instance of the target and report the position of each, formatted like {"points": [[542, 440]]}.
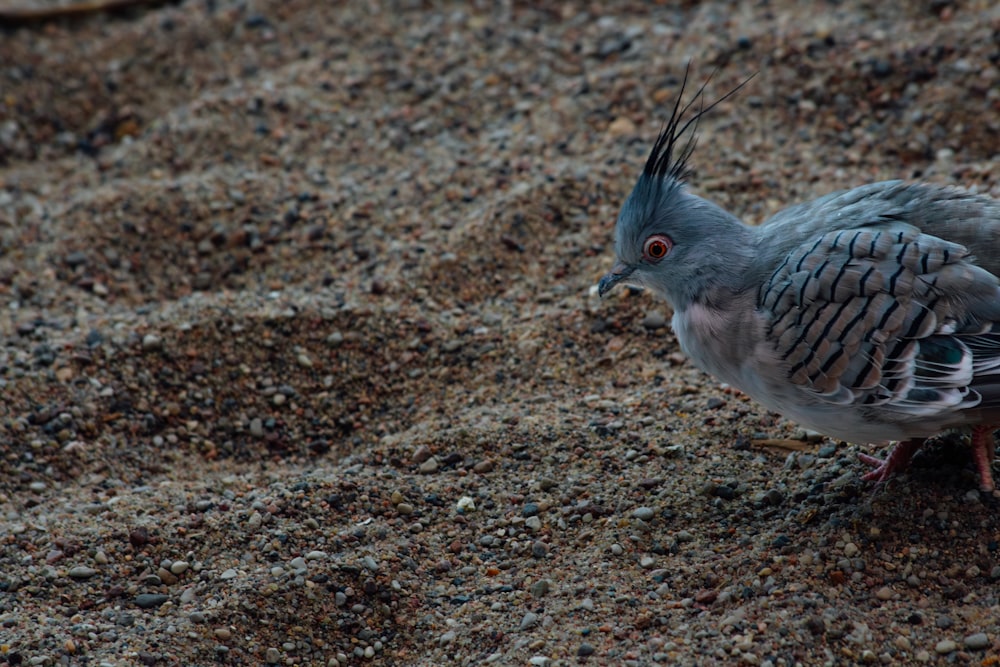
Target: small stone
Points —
{"points": [[151, 343], [228, 574], [75, 259], [166, 576], [404, 508], [827, 451], [150, 600], [851, 550], [528, 620], [533, 523], [257, 427], [539, 549], [82, 572], [654, 319], [540, 661], [976, 642], [774, 497], [316, 555], [621, 126], [272, 656], [447, 638], [884, 593], [179, 566], [540, 588], [644, 513], [945, 646], [223, 634], [483, 467], [139, 537], [429, 466], [585, 649], [647, 562], [530, 509]]}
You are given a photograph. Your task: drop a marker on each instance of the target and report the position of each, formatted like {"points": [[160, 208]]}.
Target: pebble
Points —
{"points": [[585, 649], [150, 600], [179, 566], [429, 466], [82, 572], [540, 588], [654, 319], [298, 563], [528, 620], [151, 342], [945, 646], [228, 574], [976, 642], [884, 593], [272, 656], [644, 513], [851, 550]]}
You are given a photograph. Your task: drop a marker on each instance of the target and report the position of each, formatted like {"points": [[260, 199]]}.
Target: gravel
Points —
{"points": [[302, 361]]}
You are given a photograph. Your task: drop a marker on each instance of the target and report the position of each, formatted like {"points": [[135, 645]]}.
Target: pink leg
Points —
{"points": [[982, 454], [897, 461]]}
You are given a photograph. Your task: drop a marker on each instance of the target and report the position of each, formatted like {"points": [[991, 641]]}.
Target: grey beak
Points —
{"points": [[618, 273]]}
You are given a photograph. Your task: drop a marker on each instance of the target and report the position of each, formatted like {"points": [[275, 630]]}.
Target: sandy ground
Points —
{"points": [[302, 362]]}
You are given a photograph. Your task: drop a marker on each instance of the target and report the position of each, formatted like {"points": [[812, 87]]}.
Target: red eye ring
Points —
{"points": [[657, 247]]}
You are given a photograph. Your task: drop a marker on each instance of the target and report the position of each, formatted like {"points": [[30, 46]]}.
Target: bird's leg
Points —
{"points": [[897, 461], [982, 454]]}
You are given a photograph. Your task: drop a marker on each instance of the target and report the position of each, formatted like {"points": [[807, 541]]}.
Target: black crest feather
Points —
{"points": [[662, 161]]}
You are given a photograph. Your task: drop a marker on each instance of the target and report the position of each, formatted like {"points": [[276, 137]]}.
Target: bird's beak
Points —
{"points": [[619, 272]]}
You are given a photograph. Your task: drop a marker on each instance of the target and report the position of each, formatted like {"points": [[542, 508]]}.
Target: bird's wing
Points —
{"points": [[885, 316]]}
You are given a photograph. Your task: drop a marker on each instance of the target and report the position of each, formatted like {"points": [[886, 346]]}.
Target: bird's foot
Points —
{"points": [[982, 454], [897, 461]]}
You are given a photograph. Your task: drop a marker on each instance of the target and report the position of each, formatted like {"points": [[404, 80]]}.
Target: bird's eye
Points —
{"points": [[657, 247]]}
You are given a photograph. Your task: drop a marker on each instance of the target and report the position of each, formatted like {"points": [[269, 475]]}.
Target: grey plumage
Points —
{"points": [[870, 315]]}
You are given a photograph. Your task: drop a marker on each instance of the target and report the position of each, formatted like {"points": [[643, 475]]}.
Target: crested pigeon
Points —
{"points": [[869, 315]]}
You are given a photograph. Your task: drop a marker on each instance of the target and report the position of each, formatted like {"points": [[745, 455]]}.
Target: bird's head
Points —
{"points": [[667, 239]]}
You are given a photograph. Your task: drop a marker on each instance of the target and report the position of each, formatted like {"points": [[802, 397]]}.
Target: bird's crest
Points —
{"points": [[662, 161]]}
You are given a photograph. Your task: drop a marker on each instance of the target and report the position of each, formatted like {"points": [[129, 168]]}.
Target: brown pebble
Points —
{"points": [[483, 467], [139, 537], [706, 596]]}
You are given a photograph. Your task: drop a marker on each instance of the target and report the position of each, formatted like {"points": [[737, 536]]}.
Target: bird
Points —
{"points": [[870, 315]]}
